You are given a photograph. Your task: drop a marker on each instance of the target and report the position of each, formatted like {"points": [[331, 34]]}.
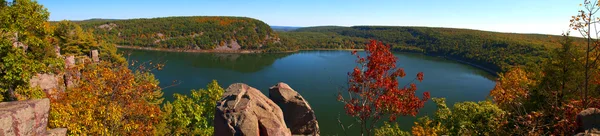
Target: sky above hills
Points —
{"points": [[519, 16]]}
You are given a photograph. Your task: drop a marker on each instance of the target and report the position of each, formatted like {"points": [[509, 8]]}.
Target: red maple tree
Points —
{"points": [[373, 90]]}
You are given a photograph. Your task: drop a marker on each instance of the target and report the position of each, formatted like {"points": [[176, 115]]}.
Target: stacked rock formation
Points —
{"points": [[244, 110]]}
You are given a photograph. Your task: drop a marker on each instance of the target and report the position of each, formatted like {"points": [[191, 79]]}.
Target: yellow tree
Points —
{"points": [[512, 89], [109, 99]]}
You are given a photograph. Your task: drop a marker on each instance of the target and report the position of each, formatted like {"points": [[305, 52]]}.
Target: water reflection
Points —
{"points": [[244, 63]]}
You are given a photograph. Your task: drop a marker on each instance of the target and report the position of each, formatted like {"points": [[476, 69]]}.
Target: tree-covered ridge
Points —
{"points": [[316, 40], [493, 50], [197, 32]]}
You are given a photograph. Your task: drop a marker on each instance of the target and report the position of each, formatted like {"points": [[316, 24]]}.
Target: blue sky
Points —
{"points": [[520, 16]]}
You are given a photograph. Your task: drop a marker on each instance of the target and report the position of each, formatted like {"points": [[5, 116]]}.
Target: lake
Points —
{"points": [[316, 75]]}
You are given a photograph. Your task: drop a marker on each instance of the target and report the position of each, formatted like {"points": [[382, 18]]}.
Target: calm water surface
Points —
{"points": [[317, 75]]}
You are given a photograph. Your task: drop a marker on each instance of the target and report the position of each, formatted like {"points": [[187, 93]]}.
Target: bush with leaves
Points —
{"points": [[390, 130], [465, 118], [192, 115]]}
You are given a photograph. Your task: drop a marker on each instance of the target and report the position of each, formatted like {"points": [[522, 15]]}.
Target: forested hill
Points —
{"points": [[197, 32], [493, 50]]}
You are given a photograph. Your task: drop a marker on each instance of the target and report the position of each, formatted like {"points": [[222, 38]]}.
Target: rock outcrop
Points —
{"points": [[20, 45], [24, 118], [49, 83], [94, 55], [230, 46], [108, 26], [69, 61], [244, 110], [297, 113], [589, 122]]}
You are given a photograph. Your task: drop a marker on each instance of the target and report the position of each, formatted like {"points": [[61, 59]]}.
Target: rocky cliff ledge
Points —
{"points": [[27, 118], [244, 110]]}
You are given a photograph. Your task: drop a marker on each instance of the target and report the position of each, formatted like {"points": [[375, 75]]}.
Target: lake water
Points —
{"points": [[316, 75]]}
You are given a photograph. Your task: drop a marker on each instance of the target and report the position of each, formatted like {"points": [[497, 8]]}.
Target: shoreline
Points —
{"points": [[189, 50], [228, 51], [492, 72]]}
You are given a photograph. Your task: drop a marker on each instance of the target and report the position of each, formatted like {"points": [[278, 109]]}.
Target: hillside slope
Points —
{"points": [[197, 32]]}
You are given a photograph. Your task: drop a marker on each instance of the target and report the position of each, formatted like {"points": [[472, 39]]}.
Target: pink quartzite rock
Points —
{"points": [[46, 82], [26, 117], [57, 132], [297, 112], [57, 50], [6, 123], [69, 61], [94, 56], [244, 110]]}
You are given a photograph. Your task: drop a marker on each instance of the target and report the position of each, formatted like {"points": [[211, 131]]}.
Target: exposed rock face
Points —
{"points": [[297, 112], [230, 46], [20, 45], [44, 81], [69, 61], [234, 45], [108, 26], [49, 83], [57, 50], [57, 132], [244, 110], [94, 55], [160, 35], [589, 122], [25, 118], [68, 77]]}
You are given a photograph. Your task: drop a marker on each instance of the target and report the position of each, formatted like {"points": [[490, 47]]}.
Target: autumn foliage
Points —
{"points": [[512, 88], [109, 99], [374, 92]]}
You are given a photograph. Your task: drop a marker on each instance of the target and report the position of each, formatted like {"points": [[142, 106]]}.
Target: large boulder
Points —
{"points": [[244, 110], [49, 83], [589, 122], [296, 111], [24, 118]]}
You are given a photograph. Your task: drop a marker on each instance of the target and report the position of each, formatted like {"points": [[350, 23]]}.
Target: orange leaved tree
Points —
{"points": [[373, 90], [108, 99]]}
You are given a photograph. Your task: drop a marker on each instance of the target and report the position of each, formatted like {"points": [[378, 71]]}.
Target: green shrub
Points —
{"points": [[192, 115]]}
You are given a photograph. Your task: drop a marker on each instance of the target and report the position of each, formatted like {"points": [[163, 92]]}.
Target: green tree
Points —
{"points": [[192, 115], [73, 40], [24, 22], [563, 75]]}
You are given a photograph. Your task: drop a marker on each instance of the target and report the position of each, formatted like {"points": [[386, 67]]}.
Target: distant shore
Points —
{"points": [[493, 72], [189, 50], [226, 51]]}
